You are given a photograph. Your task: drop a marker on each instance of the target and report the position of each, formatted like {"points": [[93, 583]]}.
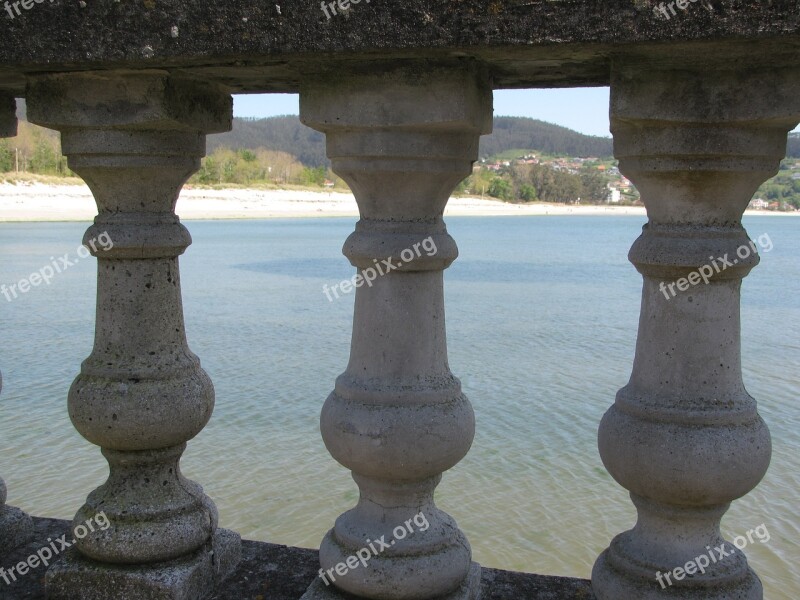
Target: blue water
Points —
{"points": [[542, 315]]}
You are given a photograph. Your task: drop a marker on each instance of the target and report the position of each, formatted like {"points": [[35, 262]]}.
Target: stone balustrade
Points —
{"points": [[701, 107]]}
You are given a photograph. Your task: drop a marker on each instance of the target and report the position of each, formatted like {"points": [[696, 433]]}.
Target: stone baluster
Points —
{"points": [[141, 394], [16, 527], [402, 140], [684, 436]]}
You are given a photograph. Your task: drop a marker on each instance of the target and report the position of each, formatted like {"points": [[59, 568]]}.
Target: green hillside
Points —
{"points": [[287, 134]]}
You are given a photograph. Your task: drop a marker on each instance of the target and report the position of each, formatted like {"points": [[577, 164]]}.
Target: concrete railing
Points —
{"points": [[696, 135]]}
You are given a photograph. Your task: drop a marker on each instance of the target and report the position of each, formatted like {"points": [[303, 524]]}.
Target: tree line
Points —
{"points": [[34, 150], [542, 183], [521, 132], [784, 188], [247, 167]]}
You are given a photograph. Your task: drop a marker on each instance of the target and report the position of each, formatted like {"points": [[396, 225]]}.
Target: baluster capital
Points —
{"points": [[128, 101], [401, 138], [697, 144]]}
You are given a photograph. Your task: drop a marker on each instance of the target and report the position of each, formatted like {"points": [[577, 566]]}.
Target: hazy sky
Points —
{"points": [[581, 109]]}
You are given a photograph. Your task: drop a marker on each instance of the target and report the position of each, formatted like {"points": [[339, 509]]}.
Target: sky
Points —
{"points": [[582, 109]]}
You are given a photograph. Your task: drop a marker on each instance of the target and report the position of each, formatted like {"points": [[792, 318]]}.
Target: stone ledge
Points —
{"points": [[270, 571], [266, 46]]}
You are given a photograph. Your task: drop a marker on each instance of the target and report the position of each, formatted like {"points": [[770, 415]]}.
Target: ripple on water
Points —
{"points": [[541, 331]]}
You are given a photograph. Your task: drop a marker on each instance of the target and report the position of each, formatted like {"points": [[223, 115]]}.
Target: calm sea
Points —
{"points": [[542, 317]]}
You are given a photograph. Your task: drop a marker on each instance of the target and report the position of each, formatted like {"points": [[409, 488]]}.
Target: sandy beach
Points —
{"points": [[33, 201]]}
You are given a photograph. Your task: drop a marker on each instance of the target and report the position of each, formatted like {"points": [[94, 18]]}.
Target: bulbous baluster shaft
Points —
{"points": [[397, 417]]}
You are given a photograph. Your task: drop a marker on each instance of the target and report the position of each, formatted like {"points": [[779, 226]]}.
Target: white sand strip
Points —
{"points": [[41, 202]]}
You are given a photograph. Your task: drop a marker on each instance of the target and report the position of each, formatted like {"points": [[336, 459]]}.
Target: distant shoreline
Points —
{"points": [[39, 202]]}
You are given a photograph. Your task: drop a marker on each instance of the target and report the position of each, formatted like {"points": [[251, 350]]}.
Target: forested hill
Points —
{"points": [[519, 132], [287, 134], [284, 134]]}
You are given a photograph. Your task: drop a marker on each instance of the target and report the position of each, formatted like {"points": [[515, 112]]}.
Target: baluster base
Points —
{"points": [[469, 590], [75, 577], [16, 528], [609, 583]]}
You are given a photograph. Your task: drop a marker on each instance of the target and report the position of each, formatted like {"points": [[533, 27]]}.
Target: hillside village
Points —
{"points": [[620, 190], [781, 193]]}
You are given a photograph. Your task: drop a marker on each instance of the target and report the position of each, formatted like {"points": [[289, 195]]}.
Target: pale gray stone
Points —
{"points": [[187, 578], [402, 138], [470, 589], [684, 436], [141, 395]]}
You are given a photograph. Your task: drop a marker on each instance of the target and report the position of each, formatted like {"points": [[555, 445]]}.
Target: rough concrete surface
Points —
{"points": [[274, 572], [701, 104], [141, 395], [397, 417], [265, 46], [188, 578], [697, 146]]}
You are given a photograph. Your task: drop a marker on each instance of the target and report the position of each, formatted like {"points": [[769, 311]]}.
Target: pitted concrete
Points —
{"points": [[16, 527], [397, 417], [187, 578], [141, 395], [274, 572], [699, 122], [268, 46], [684, 436]]}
